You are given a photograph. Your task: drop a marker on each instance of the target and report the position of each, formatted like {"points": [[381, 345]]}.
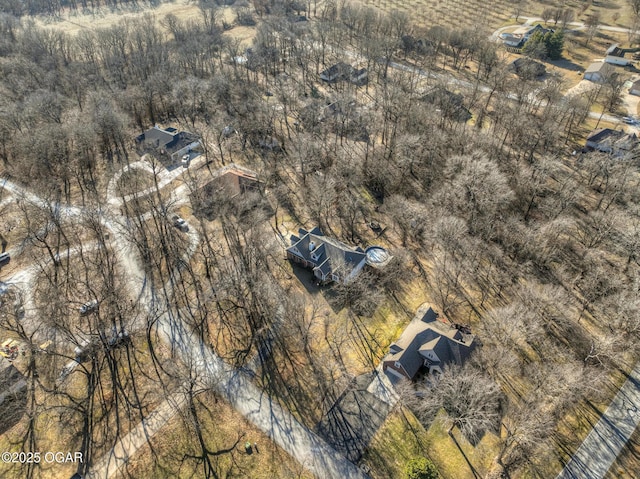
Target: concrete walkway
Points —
{"points": [[608, 437]]}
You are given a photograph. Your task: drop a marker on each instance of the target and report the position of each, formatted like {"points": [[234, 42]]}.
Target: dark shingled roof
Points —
{"points": [[170, 139], [602, 134], [426, 333], [615, 51], [338, 70], [328, 255]]}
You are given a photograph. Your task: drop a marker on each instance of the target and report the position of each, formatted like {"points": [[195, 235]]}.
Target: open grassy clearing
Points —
{"points": [[104, 17], [185, 10]]}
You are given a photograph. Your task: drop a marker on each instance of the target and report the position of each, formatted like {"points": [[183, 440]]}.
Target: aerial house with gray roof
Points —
{"points": [[428, 343], [167, 144], [329, 259]]}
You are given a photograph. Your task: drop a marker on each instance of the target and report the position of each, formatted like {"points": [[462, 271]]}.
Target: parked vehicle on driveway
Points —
{"points": [[88, 307], [180, 223], [4, 259]]}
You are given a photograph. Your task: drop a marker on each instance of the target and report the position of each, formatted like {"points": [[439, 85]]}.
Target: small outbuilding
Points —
{"points": [[598, 72], [615, 56]]}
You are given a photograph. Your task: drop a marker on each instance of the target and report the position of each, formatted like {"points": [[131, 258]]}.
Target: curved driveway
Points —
{"points": [[311, 451]]}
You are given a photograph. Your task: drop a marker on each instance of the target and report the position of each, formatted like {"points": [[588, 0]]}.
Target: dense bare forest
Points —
{"points": [[490, 210]]}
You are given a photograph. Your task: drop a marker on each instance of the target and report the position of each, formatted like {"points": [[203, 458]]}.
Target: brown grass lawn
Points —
{"points": [[223, 427], [74, 22], [134, 180], [57, 430], [402, 438], [184, 10]]}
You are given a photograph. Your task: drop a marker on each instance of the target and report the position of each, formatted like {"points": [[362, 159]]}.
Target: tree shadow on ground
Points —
{"points": [[306, 278], [354, 419]]}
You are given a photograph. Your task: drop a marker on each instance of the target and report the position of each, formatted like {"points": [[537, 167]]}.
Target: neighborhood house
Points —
{"points": [[429, 343], [519, 37], [616, 142], [329, 259], [233, 180], [635, 88], [344, 72], [598, 72], [615, 56], [167, 144]]}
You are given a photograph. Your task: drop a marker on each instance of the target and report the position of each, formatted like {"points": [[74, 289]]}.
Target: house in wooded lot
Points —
{"points": [[429, 343], [598, 72], [616, 142], [344, 72], [615, 56], [337, 72], [450, 104], [329, 259], [359, 77], [233, 180], [167, 144], [519, 37]]}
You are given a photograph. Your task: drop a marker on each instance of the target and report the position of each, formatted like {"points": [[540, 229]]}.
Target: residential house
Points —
{"points": [[519, 37], [233, 180], [635, 88], [615, 56], [337, 72], [598, 72], [359, 77], [428, 343], [167, 144], [616, 142], [329, 259], [344, 72], [527, 68], [448, 103]]}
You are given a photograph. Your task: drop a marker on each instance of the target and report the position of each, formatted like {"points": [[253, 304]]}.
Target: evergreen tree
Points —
{"points": [[421, 468], [545, 45]]}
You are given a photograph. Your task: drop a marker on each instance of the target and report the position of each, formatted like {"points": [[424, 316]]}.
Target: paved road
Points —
{"points": [[608, 437], [236, 387]]}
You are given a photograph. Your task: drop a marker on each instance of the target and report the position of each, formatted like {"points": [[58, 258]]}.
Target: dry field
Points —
{"points": [[491, 15], [74, 22], [184, 10]]}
